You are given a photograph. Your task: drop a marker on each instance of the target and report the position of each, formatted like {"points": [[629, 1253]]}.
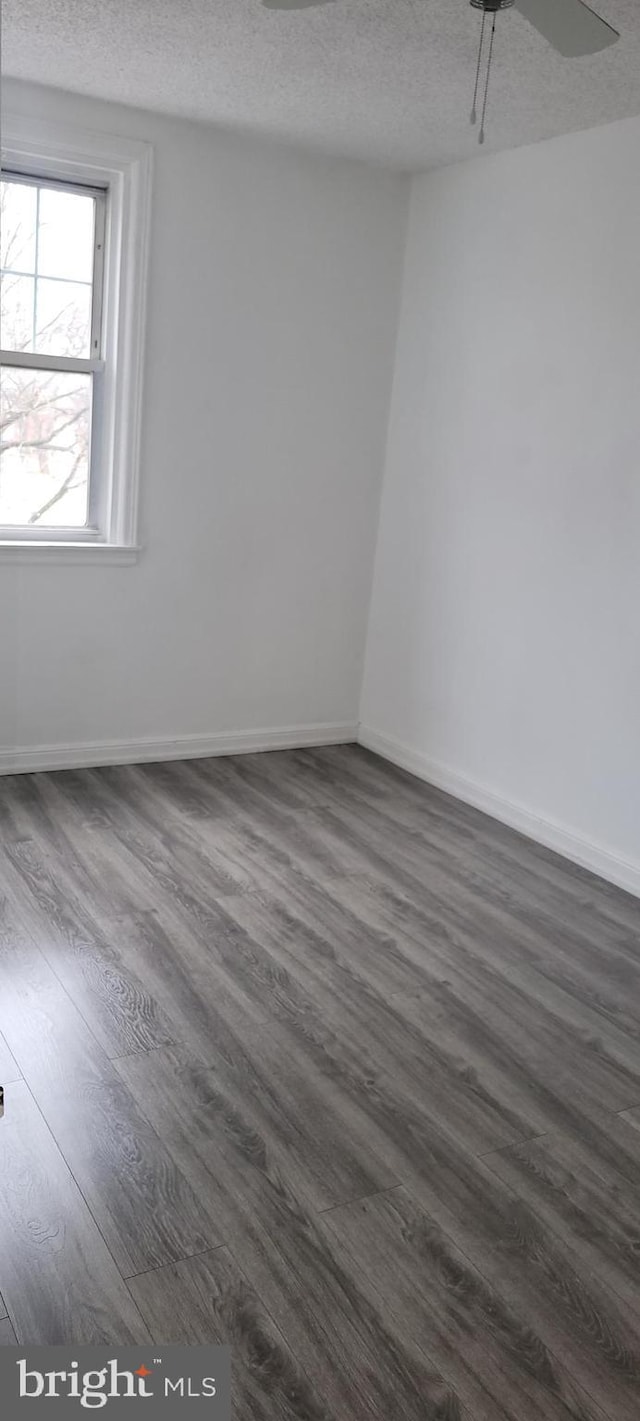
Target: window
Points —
{"points": [[51, 309], [73, 259]]}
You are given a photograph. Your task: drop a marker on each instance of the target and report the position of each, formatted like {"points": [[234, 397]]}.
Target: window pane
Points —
{"points": [[44, 468], [18, 218], [65, 235], [16, 316], [63, 318]]}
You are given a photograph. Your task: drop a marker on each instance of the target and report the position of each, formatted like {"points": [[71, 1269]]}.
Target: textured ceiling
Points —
{"points": [[383, 79]]}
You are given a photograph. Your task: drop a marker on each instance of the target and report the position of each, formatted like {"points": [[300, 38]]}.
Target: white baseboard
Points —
{"points": [[623, 872], [183, 747]]}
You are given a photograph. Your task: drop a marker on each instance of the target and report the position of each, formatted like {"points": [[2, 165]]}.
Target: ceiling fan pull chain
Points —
{"points": [[486, 87], [475, 92]]}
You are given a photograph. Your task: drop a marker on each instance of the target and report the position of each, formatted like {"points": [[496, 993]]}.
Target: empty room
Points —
{"points": [[320, 709]]}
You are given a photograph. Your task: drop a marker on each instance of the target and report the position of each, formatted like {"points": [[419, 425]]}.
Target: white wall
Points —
{"points": [[504, 642], [275, 280]]}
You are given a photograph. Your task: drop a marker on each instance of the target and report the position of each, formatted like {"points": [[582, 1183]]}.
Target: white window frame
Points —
{"points": [[122, 168]]}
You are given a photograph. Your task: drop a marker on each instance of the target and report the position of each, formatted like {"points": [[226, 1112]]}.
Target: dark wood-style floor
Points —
{"points": [[304, 1056]]}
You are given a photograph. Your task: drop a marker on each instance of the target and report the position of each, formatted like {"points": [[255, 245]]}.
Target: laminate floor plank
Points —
{"points": [[275, 834], [386, 1039], [46, 1034], [631, 1117], [59, 1281], [485, 1075], [356, 1364], [119, 920], [247, 851], [194, 915], [7, 1334], [548, 1283], [144, 1207], [326, 1156], [463, 878], [207, 1300], [329, 1065], [114, 1002], [586, 1188], [486, 958], [540, 1277], [184, 969], [472, 1044], [435, 805], [156, 852], [291, 837], [544, 1095], [133, 796], [497, 1365], [585, 896], [304, 779], [506, 862]]}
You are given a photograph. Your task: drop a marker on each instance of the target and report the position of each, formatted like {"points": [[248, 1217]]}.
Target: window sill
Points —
{"points": [[67, 554]]}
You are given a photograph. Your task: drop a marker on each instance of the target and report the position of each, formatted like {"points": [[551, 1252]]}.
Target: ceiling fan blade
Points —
{"points": [[293, 4], [569, 25]]}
